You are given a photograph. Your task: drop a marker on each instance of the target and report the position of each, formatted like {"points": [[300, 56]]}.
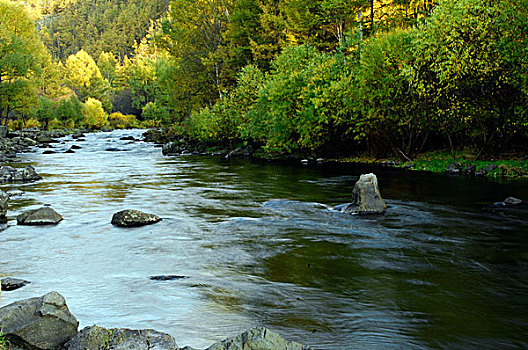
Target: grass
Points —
{"points": [[4, 343], [511, 165]]}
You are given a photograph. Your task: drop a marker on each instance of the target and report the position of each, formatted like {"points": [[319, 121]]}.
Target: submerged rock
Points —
{"points": [[41, 216], [259, 338], [38, 323], [131, 218], [167, 278], [366, 197], [9, 284], [96, 337]]}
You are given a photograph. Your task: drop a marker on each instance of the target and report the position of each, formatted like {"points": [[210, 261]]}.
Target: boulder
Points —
{"points": [[130, 218], [41, 216], [512, 202], [3, 131], [15, 192], [469, 170], [258, 338], [241, 152], [9, 283], [172, 148], [75, 147], [4, 201], [38, 323], [95, 337], [366, 197], [9, 174], [454, 169]]}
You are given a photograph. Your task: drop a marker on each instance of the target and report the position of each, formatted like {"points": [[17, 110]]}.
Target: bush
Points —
{"points": [[118, 120], [94, 114]]}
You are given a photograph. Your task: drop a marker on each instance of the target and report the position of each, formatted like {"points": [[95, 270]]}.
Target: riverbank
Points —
{"points": [[512, 165]]}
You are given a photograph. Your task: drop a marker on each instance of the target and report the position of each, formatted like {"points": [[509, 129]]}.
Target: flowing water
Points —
{"points": [[260, 245]]}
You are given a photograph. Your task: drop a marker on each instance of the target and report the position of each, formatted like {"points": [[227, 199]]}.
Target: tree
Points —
{"points": [[94, 115], [85, 78], [22, 56], [45, 112]]}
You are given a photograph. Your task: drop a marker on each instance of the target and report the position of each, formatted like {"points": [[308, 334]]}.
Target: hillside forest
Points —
{"points": [[327, 77]]}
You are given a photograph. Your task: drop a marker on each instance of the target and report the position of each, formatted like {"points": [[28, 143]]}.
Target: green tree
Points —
{"points": [[45, 112], [22, 57]]}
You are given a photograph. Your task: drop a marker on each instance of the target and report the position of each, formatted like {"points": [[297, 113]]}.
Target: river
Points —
{"points": [[260, 245]]}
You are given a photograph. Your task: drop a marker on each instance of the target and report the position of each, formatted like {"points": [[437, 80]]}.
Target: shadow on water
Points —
{"points": [[260, 245]]}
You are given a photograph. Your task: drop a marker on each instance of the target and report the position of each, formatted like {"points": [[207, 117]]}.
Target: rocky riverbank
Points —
{"points": [[46, 323]]}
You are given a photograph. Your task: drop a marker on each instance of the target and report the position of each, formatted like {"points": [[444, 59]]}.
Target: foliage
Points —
{"points": [[118, 120], [45, 111], [22, 57], [70, 111], [85, 78], [94, 115]]}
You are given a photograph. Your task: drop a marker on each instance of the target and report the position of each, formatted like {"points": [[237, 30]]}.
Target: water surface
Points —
{"points": [[261, 246]]}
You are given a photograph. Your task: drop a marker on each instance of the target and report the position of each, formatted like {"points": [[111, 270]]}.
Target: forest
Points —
{"points": [[391, 78]]}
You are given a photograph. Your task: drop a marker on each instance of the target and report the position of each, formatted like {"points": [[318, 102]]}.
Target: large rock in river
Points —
{"points": [[38, 323], [259, 338], [41, 216], [131, 218], [366, 197], [96, 337]]}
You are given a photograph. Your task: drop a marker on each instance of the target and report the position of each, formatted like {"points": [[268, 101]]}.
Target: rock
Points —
{"points": [[4, 202], [95, 337], [48, 152], [15, 192], [127, 138], [9, 284], [241, 152], [69, 151], [258, 338], [75, 147], [43, 138], [453, 169], [167, 278], [130, 218], [172, 148], [78, 135], [30, 142], [3, 131], [512, 202], [366, 198], [113, 149], [9, 174], [41, 216], [38, 323], [470, 170]]}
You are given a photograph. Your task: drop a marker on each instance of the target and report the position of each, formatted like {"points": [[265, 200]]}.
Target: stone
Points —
{"points": [[241, 152], [49, 152], [131, 218], [78, 135], [15, 192], [258, 338], [9, 284], [75, 147], [9, 174], [69, 151], [95, 337], [453, 169], [366, 197], [4, 203], [470, 170], [41, 216], [127, 138], [167, 278], [38, 323], [512, 202], [172, 148], [3, 131]]}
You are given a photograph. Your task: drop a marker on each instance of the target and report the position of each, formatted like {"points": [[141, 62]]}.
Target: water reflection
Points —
{"points": [[261, 246]]}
